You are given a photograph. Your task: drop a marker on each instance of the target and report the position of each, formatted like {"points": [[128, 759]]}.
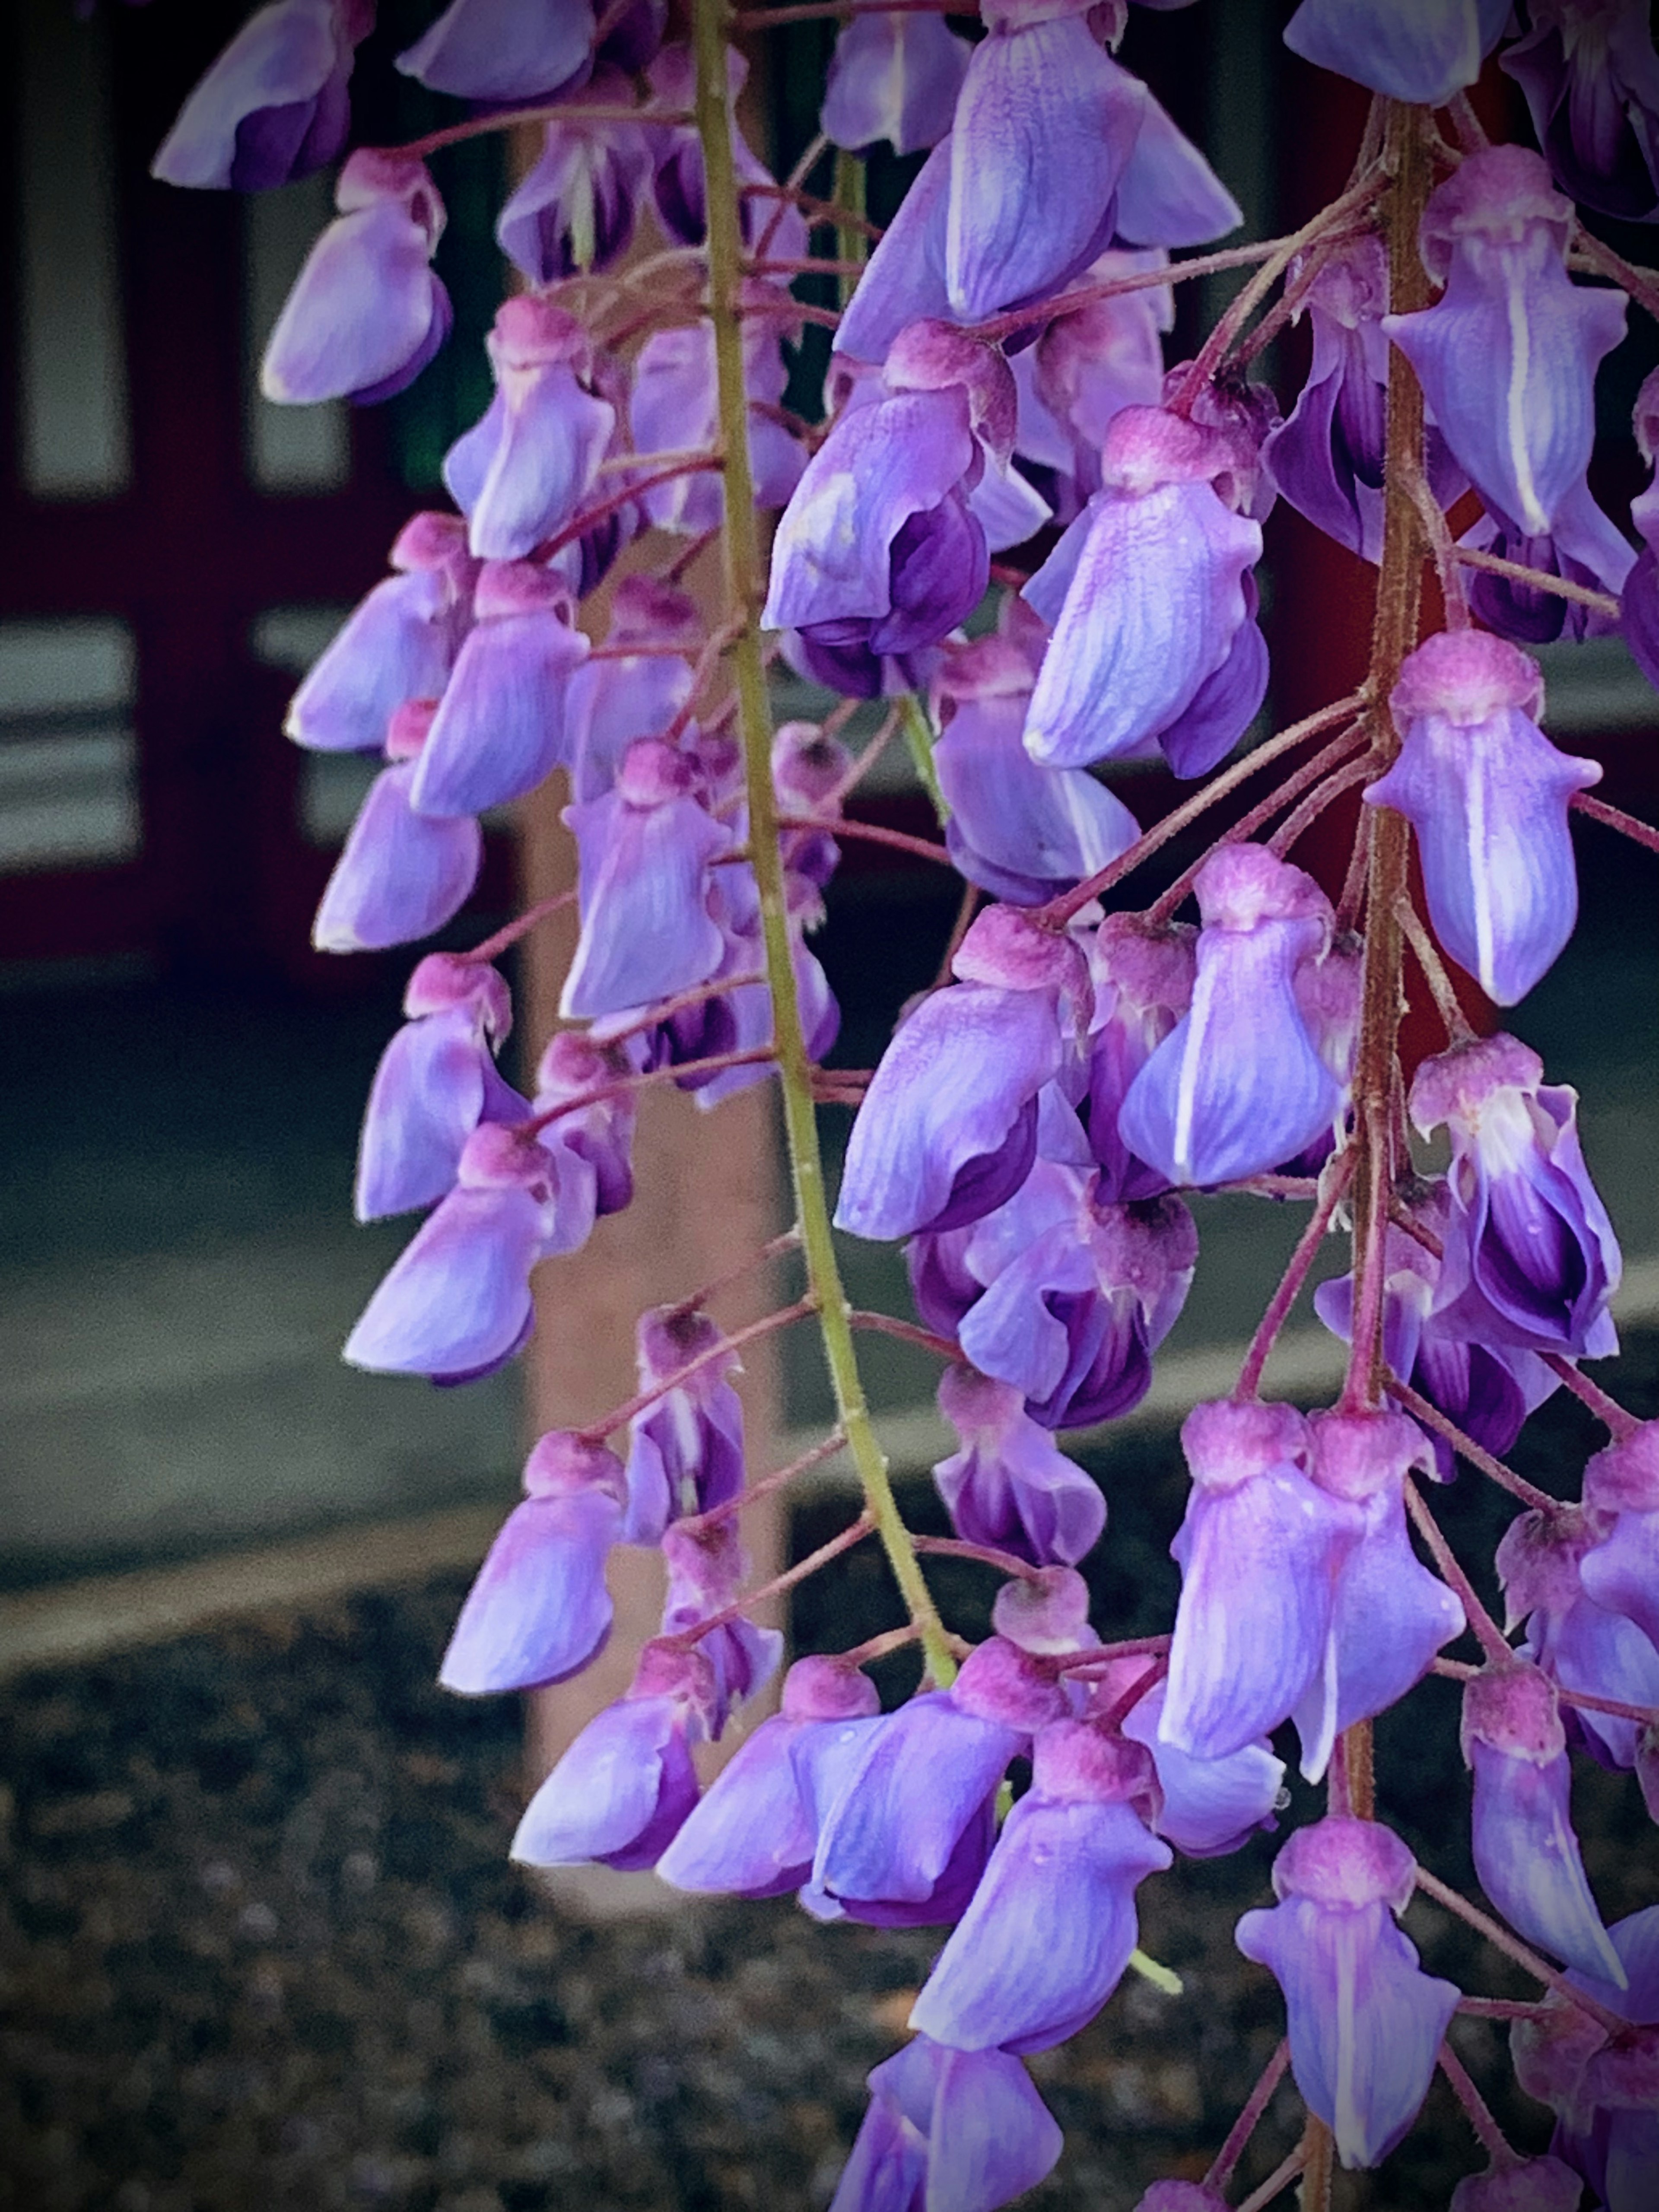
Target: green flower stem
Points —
{"points": [[741, 545]]}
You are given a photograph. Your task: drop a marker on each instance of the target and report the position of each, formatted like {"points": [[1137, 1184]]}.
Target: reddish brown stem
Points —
{"points": [[1614, 817], [1304, 816], [988, 1555], [1222, 2165], [582, 524], [1537, 580], [1615, 1419], [1524, 1955], [774, 1249], [597, 1432], [834, 1442], [1431, 1416], [1279, 2180], [1336, 1182], [712, 1064], [907, 1332], [812, 205], [854, 1533], [1484, 1629], [1492, 2139], [492, 947], [870, 832]]}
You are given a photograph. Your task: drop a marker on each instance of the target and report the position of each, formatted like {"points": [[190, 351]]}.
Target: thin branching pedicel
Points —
{"points": [[1004, 446]]}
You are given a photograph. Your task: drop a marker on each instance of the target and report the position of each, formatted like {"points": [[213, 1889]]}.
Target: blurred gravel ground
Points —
{"points": [[262, 1950]]}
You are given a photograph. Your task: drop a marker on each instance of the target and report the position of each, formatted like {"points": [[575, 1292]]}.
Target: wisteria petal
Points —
{"points": [[1167, 192], [540, 1610], [401, 874], [893, 78], [1422, 50], [502, 50], [271, 107]]}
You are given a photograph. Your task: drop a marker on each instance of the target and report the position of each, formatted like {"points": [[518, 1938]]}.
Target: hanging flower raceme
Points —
{"points": [[685, 1455], [1049, 1933], [401, 874], [1008, 1484], [1591, 79], [436, 1081], [1422, 50], [1507, 356], [457, 1301], [1365, 2021], [948, 2132], [1260, 1550], [498, 730], [1327, 456], [366, 314], [398, 643], [756, 1829], [1530, 1259], [1525, 1851], [1605, 2094], [878, 552], [675, 406], [893, 79], [523, 469], [1237, 1087], [895, 1855], [1072, 1318], [618, 1796], [1390, 1614], [1487, 794], [274, 105], [540, 1610], [948, 1128], [1022, 832], [645, 850], [574, 212], [1581, 1644], [1155, 646]]}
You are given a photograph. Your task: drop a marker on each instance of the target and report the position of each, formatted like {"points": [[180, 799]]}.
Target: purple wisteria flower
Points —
{"points": [[1327, 456], [457, 1301], [675, 406], [1044, 124], [574, 1067], [1208, 1807], [1591, 79], [1582, 546], [401, 874], [645, 850], [574, 210], [366, 314], [1530, 1259], [1621, 1571], [948, 2132], [274, 105], [1260, 1550], [1488, 793], [398, 643], [1008, 1484], [621, 1791], [893, 78], [522, 472], [756, 1829], [436, 1081], [895, 1855], [948, 1128], [1365, 2021], [1049, 1933], [1422, 50], [1022, 832], [1237, 1087], [677, 185], [498, 730], [685, 1454], [1143, 986], [707, 1568], [1390, 1615], [502, 51], [1581, 1644], [1605, 2094], [877, 551], [1072, 1318], [1155, 646], [1088, 366], [1525, 1851], [1507, 356], [614, 698], [538, 1610]]}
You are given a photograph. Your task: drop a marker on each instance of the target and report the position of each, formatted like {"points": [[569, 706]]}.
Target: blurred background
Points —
{"points": [[240, 1829]]}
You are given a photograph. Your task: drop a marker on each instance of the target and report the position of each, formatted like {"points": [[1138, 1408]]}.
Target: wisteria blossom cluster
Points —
{"points": [[1035, 545]]}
